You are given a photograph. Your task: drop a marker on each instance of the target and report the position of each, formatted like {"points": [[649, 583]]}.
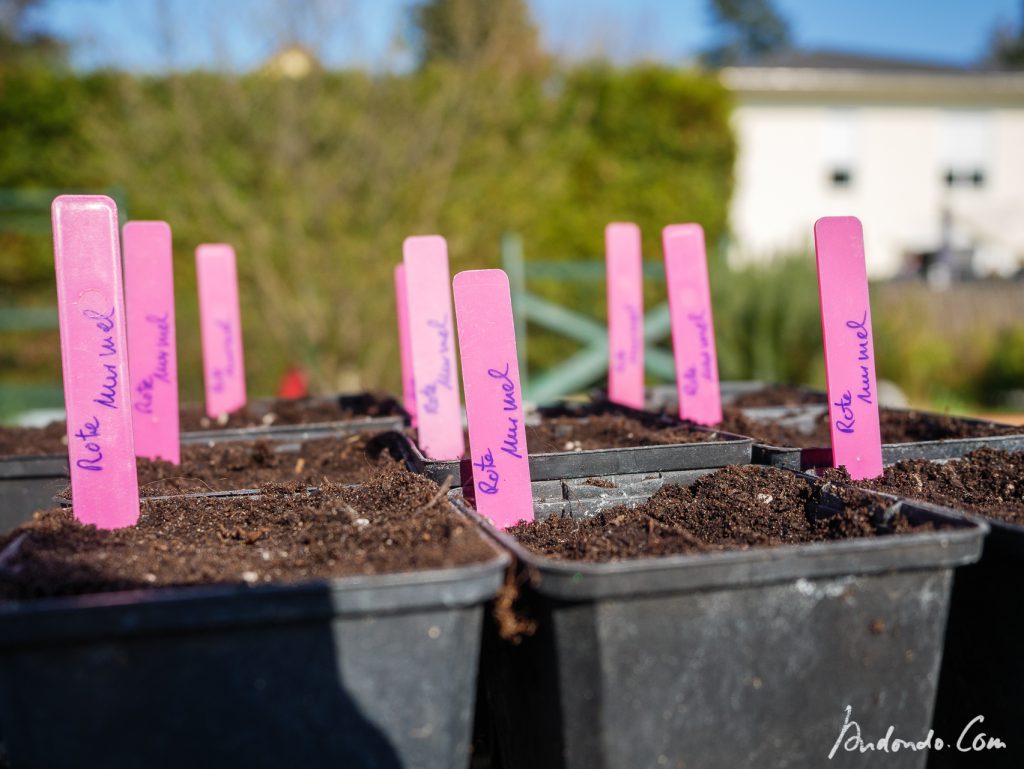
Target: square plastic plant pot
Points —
{"points": [[982, 666], [357, 403], [722, 449], [665, 397], [810, 458], [352, 672], [29, 483], [728, 659]]}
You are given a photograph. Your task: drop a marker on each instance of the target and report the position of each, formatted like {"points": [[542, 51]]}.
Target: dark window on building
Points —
{"points": [[965, 177], [841, 178]]}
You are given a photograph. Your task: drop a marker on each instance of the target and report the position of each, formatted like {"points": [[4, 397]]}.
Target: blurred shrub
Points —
{"points": [[767, 321], [1002, 377], [316, 181]]}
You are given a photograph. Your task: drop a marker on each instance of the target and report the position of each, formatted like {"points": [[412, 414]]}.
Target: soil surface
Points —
{"points": [[395, 522], [234, 465], [52, 439], [779, 395], [601, 427], [301, 411], [34, 441], [989, 482], [898, 426], [735, 508]]}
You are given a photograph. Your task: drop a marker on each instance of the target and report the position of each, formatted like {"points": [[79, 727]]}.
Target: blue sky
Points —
{"points": [[154, 34]]}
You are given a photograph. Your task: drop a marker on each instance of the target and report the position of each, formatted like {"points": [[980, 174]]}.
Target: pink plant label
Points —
{"points": [[693, 326], [432, 333], [494, 397], [849, 346], [625, 282], [220, 321], [405, 343], [152, 346], [94, 356]]}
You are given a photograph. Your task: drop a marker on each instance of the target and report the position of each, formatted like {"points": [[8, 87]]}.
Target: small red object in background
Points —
{"points": [[294, 383]]}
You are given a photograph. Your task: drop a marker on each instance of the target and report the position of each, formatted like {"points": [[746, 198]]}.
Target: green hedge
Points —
{"points": [[317, 181]]}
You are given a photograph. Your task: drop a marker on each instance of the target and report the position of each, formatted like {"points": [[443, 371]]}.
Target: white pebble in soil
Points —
{"points": [[250, 576], [764, 499]]}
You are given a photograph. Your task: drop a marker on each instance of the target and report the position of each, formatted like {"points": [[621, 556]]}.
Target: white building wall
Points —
{"points": [[898, 160]]}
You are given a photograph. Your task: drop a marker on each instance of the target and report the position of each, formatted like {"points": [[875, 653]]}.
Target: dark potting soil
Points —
{"points": [[989, 482], [559, 433], [735, 508], [234, 465], [898, 426], [301, 411], [34, 441], [395, 522], [52, 439], [778, 395]]}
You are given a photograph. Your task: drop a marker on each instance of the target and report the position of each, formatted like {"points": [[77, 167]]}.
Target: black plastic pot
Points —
{"points": [[983, 667], [661, 397], [725, 449], [376, 671], [810, 458], [28, 484], [303, 432], [725, 660]]}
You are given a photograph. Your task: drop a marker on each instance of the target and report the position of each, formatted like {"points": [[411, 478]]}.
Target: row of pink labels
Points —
{"points": [[120, 366]]}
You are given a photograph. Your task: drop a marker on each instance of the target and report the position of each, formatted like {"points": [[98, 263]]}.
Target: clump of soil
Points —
{"points": [[600, 426], [395, 522], [52, 439], [898, 426], [735, 508], [779, 395], [989, 482]]}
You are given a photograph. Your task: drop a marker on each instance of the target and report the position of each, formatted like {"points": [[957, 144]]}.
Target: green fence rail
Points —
{"points": [[588, 365]]}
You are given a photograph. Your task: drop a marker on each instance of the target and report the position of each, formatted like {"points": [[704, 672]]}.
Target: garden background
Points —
{"points": [[317, 176]]}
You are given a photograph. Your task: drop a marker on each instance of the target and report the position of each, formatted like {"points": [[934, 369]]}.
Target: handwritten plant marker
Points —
{"points": [[849, 346], [625, 282], [494, 402], [405, 343], [432, 333], [152, 346], [693, 326], [94, 356], [220, 321]]}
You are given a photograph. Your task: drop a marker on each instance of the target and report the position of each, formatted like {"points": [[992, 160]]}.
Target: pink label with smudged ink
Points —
{"points": [[494, 397], [625, 281], [152, 346], [432, 331], [849, 346], [94, 356], [405, 343], [693, 326], [220, 321]]}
